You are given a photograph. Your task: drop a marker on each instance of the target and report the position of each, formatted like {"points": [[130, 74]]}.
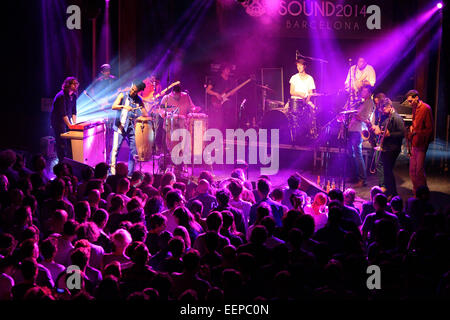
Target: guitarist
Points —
{"points": [[420, 135], [222, 115], [392, 129]]}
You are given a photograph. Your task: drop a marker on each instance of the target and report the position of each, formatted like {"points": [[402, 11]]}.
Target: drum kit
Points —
{"points": [[299, 116]]}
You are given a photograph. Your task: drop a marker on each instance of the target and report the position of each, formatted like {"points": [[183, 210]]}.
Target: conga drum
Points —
{"points": [[145, 137], [199, 121], [173, 122]]}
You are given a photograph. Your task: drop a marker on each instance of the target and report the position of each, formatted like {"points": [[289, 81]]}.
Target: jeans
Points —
{"points": [[416, 167], [388, 158], [355, 152], [117, 143]]}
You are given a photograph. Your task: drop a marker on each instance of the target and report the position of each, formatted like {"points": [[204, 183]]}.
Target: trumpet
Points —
{"points": [[378, 147]]}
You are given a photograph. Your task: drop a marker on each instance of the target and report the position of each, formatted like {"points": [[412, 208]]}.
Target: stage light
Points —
{"points": [[439, 5]]}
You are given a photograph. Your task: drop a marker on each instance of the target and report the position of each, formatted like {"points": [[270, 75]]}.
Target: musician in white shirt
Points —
{"points": [[360, 75], [302, 85]]}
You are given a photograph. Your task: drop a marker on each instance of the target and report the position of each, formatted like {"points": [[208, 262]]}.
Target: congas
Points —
{"points": [[174, 122], [145, 137], [200, 121], [277, 119]]}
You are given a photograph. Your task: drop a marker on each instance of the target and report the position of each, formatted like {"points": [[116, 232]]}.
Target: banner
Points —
{"points": [[323, 19]]}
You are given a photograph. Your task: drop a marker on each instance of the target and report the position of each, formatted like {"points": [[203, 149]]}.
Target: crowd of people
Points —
{"points": [[116, 237]]}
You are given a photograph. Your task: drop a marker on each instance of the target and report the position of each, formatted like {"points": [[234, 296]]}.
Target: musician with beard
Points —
{"points": [[128, 108], [392, 128], [64, 114]]}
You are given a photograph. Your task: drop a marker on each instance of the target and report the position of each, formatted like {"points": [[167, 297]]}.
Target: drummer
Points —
{"points": [[176, 102], [302, 85]]}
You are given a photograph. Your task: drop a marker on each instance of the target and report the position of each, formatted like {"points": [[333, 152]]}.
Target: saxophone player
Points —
{"points": [[391, 131]]}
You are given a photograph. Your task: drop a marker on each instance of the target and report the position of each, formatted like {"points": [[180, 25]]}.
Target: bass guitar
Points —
{"points": [[217, 103]]}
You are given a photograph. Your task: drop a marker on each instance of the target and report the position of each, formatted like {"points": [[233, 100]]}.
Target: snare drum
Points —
{"points": [[145, 137], [200, 120], [173, 123]]}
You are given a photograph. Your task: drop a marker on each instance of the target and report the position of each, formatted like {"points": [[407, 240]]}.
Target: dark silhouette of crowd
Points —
{"points": [[113, 237]]}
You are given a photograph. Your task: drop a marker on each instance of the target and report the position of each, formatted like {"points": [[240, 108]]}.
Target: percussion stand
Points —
{"points": [[327, 147]]}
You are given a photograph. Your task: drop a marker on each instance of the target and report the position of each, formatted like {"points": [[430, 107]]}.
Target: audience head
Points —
{"points": [[153, 205], [174, 199], [277, 194], [121, 169], [191, 261], [121, 238], [396, 204], [214, 221], [263, 187], [123, 186], [157, 223], [101, 171], [336, 194], [82, 211], [380, 202], [168, 179], [223, 197], [374, 191], [349, 196], [203, 186], [294, 182]]}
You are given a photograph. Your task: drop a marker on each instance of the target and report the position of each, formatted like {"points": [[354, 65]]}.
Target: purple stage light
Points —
{"points": [[439, 5]]}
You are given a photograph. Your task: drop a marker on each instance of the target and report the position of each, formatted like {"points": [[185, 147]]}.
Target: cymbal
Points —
{"points": [[264, 87], [316, 94]]}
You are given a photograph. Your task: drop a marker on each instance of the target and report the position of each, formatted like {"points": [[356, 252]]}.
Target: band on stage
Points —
{"points": [[365, 116]]}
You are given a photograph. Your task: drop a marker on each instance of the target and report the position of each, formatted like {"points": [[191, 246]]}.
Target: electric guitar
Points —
{"points": [[217, 103], [153, 100]]}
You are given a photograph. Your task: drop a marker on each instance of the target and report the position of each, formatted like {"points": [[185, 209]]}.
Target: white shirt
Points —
{"points": [[302, 86], [358, 76]]}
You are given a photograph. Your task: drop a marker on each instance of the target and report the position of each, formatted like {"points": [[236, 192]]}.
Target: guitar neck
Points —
{"points": [[237, 88]]}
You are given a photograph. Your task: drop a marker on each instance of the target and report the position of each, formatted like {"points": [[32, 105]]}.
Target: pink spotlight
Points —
{"points": [[439, 5]]}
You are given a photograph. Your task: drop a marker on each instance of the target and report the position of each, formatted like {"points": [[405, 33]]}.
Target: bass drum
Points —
{"points": [[277, 119], [145, 137]]}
